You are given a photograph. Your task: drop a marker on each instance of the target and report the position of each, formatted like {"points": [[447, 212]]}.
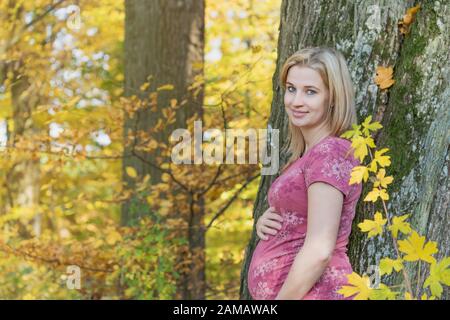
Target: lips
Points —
{"points": [[299, 114]]}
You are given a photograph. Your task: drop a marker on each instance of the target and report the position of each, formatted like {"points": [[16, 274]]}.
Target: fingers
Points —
{"points": [[272, 224], [262, 231], [261, 236], [267, 230], [274, 216], [269, 224], [271, 213]]}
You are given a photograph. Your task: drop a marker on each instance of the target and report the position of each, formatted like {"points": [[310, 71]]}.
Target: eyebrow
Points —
{"points": [[287, 82]]}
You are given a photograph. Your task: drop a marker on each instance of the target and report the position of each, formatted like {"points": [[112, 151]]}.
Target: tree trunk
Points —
{"points": [[164, 40], [414, 112], [24, 177]]}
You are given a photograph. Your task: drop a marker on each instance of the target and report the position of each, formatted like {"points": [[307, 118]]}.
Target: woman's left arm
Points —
{"points": [[324, 215]]}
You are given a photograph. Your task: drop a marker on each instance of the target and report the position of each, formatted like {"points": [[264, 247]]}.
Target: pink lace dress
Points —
{"points": [[330, 161]]}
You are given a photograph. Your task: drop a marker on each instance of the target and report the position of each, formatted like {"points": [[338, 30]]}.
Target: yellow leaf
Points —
{"points": [[146, 179], [359, 286], [373, 227], [439, 274], [384, 195], [359, 173], [383, 292], [415, 248], [375, 194], [387, 265], [373, 166], [165, 87], [131, 172], [360, 145], [372, 195], [383, 161], [367, 126], [382, 180], [144, 86], [399, 224], [351, 134], [165, 177]]}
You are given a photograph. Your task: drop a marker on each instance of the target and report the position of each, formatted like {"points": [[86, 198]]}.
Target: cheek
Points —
{"points": [[319, 105], [287, 99]]}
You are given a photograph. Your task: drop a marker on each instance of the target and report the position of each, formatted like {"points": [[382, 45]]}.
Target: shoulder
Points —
{"points": [[333, 147], [333, 150], [338, 141], [331, 161]]}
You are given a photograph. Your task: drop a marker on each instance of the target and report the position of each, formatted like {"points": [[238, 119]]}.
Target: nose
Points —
{"points": [[298, 100]]}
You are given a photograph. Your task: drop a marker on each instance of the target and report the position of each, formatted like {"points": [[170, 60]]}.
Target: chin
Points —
{"points": [[300, 123]]}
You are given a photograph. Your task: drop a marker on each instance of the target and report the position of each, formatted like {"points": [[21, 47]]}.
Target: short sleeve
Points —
{"points": [[331, 162]]}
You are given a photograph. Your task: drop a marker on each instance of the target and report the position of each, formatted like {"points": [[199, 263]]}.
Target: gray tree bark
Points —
{"points": [[414, 111], [164, 39]]}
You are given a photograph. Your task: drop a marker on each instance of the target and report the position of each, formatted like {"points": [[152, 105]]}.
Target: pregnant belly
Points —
{"points": [[269, 267]]}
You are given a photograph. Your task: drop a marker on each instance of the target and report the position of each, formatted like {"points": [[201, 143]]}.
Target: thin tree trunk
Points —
{"points": [[414, 112], [164, 40], [23, 179]]}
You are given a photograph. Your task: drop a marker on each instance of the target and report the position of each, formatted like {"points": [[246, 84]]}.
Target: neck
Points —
{"points": [[314, 135]]}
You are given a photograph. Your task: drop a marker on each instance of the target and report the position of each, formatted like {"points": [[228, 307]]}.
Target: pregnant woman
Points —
{"points": [[302, 253]]}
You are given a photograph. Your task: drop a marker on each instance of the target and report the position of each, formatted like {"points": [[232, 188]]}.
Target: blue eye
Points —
{"points": [[291, 87], [313, 92]]}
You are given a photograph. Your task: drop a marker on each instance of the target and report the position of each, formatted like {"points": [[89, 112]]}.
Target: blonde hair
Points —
{"points": [[332, 67]]}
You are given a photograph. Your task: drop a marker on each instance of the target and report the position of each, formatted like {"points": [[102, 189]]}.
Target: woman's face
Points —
{"points": [[306, 97]]}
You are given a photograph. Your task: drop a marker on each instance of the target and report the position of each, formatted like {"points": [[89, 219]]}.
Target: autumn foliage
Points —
{"points": [[62, 108]]}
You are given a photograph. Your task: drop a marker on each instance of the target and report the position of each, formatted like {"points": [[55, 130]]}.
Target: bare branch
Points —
{"points": [[49, 9], [234, 197]]}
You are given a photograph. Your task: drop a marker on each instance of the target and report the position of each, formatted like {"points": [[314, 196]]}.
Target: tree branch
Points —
{"points": [[17, 36], [234, 197]]}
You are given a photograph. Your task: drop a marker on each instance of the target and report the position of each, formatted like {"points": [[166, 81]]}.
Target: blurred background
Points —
{"points": [[92, 205], [72, 196]]}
